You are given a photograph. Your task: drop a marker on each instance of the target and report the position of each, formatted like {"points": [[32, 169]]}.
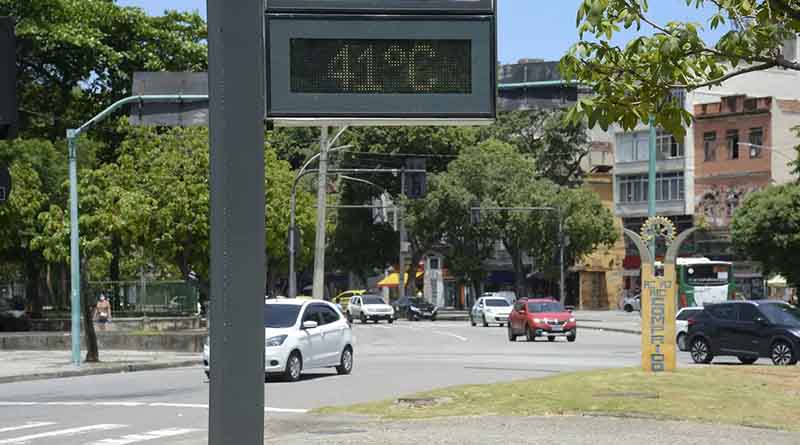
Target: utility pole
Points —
{"points": [[651, 180], [319, 245], [401, 288]]}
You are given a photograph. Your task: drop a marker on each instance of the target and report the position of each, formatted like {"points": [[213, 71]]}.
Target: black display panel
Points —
{"points": [[381, 66]]}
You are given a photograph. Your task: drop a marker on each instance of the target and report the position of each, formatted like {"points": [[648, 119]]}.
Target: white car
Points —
{"points": [[490, 310], [682, 325], [301, 335], [369, 307]]}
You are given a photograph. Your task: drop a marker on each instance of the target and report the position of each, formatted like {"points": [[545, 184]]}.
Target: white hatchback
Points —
{"points": [[682, 325], [301, 335], [490, 310]]}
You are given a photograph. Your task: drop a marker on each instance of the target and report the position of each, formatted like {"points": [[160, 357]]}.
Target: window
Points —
{"points": [[667, 145], [312, 314], [687, 314], [280, 315], [669, 187], [723, 311], [732, 137], [633, 147], [756, 142], [328, 315], [750, 104], [373, 299], [709, 146], [748, 312], [550, 306], [497, 302]]}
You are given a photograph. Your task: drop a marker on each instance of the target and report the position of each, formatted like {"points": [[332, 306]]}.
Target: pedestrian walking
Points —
{"points": [[102, 312]]}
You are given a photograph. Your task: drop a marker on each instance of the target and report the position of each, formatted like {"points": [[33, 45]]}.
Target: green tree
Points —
{"points": [[766, 228], [76, 57], [634, 81], [557, 145]]}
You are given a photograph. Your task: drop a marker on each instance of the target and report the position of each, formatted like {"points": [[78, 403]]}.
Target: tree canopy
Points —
{"points": [[635, 81]]}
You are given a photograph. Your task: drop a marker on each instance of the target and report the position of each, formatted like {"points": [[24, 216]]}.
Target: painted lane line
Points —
{"points": [[66, 403], [26, 426], [285, 410], [179, 405], [18, 403], [451, 335], [152, 435], [141, 404], [124, 404], [61, 433]]}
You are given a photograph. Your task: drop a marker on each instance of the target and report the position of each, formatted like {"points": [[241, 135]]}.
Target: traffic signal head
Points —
{"points": [[8, 79]]}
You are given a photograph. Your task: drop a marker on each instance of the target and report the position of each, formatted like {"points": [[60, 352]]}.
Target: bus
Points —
{"points": [[702, 281]]}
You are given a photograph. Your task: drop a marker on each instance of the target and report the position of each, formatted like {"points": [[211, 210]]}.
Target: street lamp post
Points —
{"points": [[74, 237]]}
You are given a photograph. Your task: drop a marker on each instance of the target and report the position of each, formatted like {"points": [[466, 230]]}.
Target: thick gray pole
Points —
{"points": [[561, 241], [74, 248], [238, 259], [651, 179], [292, 243], [319, 244], [401, 272]]}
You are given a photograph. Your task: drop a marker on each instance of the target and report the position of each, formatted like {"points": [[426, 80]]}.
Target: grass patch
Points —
{"points": [[761, 396]]}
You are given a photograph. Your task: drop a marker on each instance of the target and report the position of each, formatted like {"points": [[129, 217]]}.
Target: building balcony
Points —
{"points": [[639, 209], [638, 167]]}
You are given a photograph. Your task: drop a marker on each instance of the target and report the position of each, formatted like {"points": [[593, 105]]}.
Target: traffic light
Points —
{"points": [[8, 79], [416, 182]]}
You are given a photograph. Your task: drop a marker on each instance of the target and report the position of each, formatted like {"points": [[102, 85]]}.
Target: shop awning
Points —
{"points": [[777, 281], [393, 280]]}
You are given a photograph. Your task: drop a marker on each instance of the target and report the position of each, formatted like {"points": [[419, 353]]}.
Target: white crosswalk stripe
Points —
{"points": [[60, 433], [26, 426], [152, 435]]}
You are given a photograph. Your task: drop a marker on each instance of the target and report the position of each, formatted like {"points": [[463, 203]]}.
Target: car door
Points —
{"points": [[726, 319], [332, 335], [749, 335], [355, 307], [477, 310], [517, 317], [311, 339]]}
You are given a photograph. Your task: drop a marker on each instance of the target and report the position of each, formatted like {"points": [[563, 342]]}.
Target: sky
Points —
{"points": [[537, 29]]}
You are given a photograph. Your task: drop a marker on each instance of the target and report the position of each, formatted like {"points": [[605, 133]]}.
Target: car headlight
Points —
{"points": [[572, 320], [536, 320], [275, 341]]}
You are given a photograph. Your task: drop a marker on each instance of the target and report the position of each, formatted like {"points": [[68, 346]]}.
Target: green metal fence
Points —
{"points": [[136, 298]]}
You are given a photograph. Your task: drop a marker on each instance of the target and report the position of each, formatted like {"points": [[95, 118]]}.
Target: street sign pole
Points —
{"points": [[651, 179], [238, 259], [319, 244], [74, 248]]}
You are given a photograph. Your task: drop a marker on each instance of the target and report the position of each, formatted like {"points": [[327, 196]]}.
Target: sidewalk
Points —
{"points": [[613, 320], [17, 366]]}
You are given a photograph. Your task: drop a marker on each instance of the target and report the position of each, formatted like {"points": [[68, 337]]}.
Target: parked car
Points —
{"points": [[541, 317], [415, 308], [490, 310], [633, 303], [11, 319], [343, 299], [301, 335], [747, 330], [369, 307], [682, 325]]}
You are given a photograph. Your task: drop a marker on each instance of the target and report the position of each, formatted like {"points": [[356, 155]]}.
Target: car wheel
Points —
{"points": [[511, 335], [701, 352], [346, 362], [572, 337], [681, 341], [530, 334], [472, 320], [410, 315], [485, 324], [294, 366], [390, 320], [433, 318], [782, 354], [747, 360], [363, 318], [350, 318], [628, 308], [551, 338], [502, 324]]}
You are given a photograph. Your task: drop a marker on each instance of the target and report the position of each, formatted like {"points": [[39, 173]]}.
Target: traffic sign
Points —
{"points": [[381, 61], [5, 184]]}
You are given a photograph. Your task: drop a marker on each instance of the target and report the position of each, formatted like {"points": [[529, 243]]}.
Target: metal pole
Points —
{"points": [[401, 268], [561, 285], [238, 258], [74, 248], [292, 272], [319, 245], [651, 180]]}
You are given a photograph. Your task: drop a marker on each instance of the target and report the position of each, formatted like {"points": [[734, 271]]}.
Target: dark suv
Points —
{"points": [[747, 330]]}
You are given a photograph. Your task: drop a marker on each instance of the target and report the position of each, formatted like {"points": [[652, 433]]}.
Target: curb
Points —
{"points": [[620, 330], [118, 369]]}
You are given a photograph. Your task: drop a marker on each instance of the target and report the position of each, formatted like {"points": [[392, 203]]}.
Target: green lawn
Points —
{"points": [[763, 396]]}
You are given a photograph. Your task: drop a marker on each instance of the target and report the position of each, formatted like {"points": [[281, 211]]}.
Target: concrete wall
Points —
{"points": [[178, 342], [161, 324], [785, 116]]}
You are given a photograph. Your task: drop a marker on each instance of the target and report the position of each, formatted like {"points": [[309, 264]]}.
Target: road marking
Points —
{"points": [[66, 432], [26, 426], [451, 335], [138, 404], [125, 404], [152, 435], [285, 410], [179, 405], [18, 403]]}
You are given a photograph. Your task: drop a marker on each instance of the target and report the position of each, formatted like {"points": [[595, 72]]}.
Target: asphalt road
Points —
{"points": [[170, 406]]}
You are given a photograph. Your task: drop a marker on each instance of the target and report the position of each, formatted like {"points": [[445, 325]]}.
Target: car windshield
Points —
{"points": [[707, 274], [687, 314], [280, 315], [416, 301], [372, 299], [548, 306], [782, 314], [496, 302]]}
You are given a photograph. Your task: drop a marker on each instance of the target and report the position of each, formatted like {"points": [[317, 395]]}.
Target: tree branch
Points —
{"points": [[717, 81]]}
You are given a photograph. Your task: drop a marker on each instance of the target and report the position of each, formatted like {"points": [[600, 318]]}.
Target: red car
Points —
{"points": [[541, 317]]}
